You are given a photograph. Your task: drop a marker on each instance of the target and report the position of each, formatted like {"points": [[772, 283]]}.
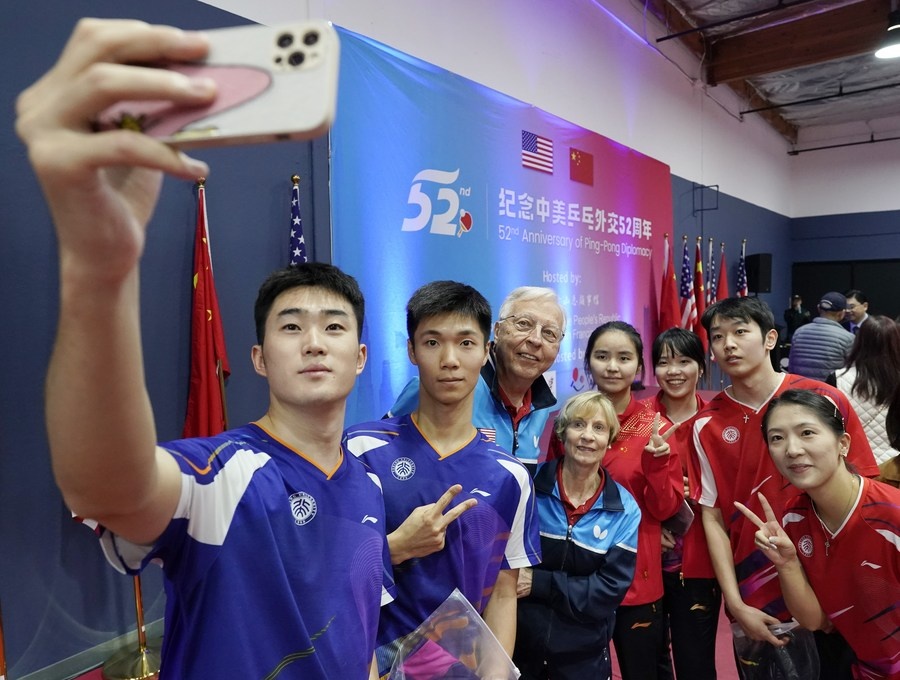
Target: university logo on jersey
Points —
{"points": [[303, 507], [403, 468], [805, 545], [731, 434]]}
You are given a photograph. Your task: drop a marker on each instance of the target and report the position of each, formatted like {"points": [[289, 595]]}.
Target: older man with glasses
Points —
{"points": [[512, 399]]}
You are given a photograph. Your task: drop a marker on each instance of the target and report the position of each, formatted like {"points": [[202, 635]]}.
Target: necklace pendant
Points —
{"points": [[827, 545], [746, 418]]}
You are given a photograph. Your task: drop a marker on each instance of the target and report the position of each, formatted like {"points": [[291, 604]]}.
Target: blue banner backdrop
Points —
{"points": [[434, 176]]}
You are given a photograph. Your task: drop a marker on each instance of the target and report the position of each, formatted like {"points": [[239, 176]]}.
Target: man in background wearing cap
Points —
{"points": [[819, 348], [795, 316]]}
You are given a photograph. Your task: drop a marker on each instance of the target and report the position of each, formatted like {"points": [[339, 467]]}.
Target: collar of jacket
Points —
{"points": [[545, 483], [541, 396]]}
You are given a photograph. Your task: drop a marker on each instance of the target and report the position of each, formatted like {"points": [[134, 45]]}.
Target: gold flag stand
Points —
{"points": [[130, 663]]}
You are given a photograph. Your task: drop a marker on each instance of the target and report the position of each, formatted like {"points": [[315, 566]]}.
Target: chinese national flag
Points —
{"points": [[669, 310], [581, 166], [699, 295], [206, 414], [722, 282]]}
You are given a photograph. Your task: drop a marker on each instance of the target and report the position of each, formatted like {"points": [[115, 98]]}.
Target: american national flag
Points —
{"points": [[711, 282], [298, 243], [686, 291], [537, 152], [742, 290]]}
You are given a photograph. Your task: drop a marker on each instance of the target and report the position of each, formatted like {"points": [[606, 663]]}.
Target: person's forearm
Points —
{"points": [[99, 420], [799, 597], [721, 556], [500, 612]]}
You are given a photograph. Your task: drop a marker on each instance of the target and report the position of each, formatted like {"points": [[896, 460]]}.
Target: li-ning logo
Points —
{"points": [[805, 544], [731, 434], [403, 469], [447, 222], [303, 507]]}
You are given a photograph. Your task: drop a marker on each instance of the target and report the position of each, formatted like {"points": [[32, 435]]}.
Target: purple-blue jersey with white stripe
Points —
{"points": [[500, 532], [272, 565]]}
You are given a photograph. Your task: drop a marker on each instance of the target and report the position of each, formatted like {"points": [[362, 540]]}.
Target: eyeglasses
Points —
{"points": [[525, 325]]}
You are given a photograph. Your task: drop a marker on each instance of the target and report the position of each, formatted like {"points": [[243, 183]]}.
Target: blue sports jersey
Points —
{"points": [[272, 565], [491, 418], [501, 532]]}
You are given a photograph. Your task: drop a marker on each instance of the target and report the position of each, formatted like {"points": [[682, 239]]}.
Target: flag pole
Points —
{"points": [[2, 649], [130, 663]]}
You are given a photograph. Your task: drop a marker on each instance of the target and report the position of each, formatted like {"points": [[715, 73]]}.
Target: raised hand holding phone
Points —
{"points": [[272, 84]]}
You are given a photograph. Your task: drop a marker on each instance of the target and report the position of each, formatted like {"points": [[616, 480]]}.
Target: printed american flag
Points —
{"points": [[537, 152], [742, 290], [298, 243], [711, 281], [686, 291]]}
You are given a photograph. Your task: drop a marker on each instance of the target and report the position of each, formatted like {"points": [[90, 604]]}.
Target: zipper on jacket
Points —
{"points": [[562, 563]]}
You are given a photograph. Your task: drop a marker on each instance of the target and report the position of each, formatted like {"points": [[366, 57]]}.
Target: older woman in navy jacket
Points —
{"points": [[589, 527]]}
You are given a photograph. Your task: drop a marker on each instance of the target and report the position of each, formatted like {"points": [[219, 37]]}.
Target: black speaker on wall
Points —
{"points": [[759, 273]]}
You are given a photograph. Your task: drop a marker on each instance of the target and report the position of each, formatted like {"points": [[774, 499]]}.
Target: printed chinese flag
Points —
{"points": [[699, 294], [669, 313], [581, 166], [206, 413], [722, 281]]}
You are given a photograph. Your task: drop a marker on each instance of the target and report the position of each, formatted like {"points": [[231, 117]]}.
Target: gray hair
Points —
{"points": [[531, 294]]}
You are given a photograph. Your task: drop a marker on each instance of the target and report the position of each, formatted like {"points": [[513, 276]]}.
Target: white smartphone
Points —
{"points": [[274, 83]]}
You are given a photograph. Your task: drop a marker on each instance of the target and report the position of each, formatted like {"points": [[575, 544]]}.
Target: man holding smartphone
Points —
{"points": [[271, 539]]}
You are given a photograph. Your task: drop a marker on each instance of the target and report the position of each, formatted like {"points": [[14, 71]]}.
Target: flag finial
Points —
{"points": [[201, 181], [295, 179]]}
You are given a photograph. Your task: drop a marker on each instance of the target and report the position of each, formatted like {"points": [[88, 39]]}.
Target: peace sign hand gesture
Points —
{"points": [[424, 531], [658, 444], [770, 537]]}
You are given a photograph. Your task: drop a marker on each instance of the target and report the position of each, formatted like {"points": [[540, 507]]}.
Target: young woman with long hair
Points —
{"points": [[838, 555], [870, 378]]}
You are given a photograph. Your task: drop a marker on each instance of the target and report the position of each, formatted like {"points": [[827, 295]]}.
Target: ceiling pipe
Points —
{"points": [[724, 22], [840, 93], [870, 140]]}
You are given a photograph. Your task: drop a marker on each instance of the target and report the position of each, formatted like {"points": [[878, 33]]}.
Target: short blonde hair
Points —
{"points": [[585, 405]]}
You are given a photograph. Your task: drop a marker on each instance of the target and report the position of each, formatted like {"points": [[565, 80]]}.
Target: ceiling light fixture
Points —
{"points": [[890, 46]]}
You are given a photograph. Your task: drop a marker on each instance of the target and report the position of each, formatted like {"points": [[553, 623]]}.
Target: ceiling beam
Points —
{"points": [[773, 118], [842, 32], [675, 22]]}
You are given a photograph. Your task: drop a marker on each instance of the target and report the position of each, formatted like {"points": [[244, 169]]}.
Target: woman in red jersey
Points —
{"points": [[838, 555], [692, 597]]}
